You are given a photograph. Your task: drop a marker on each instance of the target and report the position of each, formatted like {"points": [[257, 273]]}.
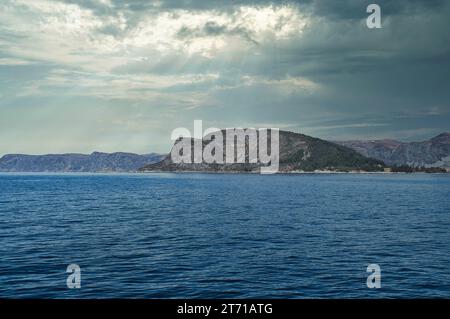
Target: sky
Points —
{"points": [[110, 75]]}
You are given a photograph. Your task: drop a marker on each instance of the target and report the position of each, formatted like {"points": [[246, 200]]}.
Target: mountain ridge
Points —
{"points": [[431, 153], [434, 152], [297, 152], [77, 162]]}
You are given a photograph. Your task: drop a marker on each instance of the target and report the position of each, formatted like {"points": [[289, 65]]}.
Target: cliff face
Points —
{"points": [[297, 152], [431, 153], [95, 162]]}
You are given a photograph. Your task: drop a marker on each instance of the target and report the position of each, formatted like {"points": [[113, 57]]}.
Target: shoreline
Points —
{"points": [[317, 172], [292, 173]]}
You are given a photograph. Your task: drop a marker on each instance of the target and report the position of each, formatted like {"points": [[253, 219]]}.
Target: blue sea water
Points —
{"points": [[224, 236]]}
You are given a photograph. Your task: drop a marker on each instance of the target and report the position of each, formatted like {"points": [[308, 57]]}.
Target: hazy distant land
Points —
{"points": [[298, 153]]}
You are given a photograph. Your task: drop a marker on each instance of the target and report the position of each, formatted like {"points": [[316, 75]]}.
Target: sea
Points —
{"points": [[207, 236]]}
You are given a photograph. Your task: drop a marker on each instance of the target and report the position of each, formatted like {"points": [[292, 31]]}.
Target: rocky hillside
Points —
{"points": [[95, 162], [434, 152], [298, 152]]}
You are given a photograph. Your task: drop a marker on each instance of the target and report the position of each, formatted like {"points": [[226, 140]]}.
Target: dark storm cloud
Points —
{"points": [[342, 9], [351, 9], [383, 75], [211, 29]]}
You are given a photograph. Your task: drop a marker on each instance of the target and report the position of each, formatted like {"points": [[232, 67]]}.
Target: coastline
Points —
{"points": [[294, 172], [317, 172]]}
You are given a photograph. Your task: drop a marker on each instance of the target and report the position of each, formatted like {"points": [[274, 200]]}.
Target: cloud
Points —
{"points": [[345, 126], [74, 35], [110, 86], [310, 66], [14, 62]]}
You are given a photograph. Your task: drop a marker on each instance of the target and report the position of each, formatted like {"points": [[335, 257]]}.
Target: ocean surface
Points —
{"points": [[224, 236]]}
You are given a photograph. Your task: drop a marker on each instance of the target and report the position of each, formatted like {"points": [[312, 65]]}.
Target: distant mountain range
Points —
{"points": [[95, 162], [434, 152], [298, 152]]}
